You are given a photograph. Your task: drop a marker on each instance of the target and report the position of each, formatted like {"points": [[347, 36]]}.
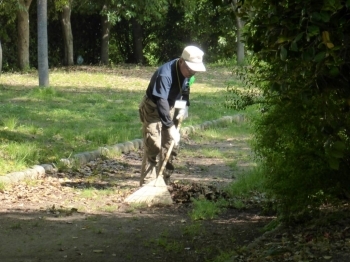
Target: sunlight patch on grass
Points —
{"points": [[87, 107], [92, 192], [10, 123], [8, 165], [20, 153], [211, 152], [108, 208]]}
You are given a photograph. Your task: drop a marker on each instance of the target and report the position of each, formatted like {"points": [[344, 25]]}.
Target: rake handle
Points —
{"points": [[169, 151]]}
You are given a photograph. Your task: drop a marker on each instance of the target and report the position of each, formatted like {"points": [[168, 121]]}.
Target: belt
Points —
{"points": [[150, 101]]}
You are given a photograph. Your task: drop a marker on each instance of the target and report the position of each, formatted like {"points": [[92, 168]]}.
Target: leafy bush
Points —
{"points": [[301, 64]]}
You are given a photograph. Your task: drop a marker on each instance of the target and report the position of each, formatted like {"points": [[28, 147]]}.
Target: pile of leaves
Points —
{"points": [[184, 192]]}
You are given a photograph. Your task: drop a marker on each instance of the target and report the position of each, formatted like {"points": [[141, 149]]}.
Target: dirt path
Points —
{"points": [[79, 215]]}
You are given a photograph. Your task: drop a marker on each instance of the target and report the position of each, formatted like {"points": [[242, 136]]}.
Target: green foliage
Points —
{"points": [[7, 36], [192, 229], [10, 123], [166, 27], [215, 28], [247, 183], [239, 99], [43, 93], [301, 66], [205, 209]]}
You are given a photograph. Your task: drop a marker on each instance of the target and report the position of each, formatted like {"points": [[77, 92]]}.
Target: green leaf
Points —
{"points": [[294, 46], [333, 163], [320, 56], [315, 16], [283, 53], [334, 71], [281, 39], [325, 16], [313, 30], [298, 37], [335, 153], [339, 145], [335, 150]]}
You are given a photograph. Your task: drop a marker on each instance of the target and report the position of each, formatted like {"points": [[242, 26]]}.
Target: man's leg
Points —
{"points": [[166, 142], [151, 127], [148, 171], [151, 149]]}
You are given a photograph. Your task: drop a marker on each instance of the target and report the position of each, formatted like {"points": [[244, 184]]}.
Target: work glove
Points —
{"points": [[175, 134], [183, 113]]}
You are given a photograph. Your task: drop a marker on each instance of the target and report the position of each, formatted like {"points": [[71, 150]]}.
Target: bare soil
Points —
{"points": [[79, 215]]}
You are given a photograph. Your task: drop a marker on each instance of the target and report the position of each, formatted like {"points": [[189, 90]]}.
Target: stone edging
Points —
{"points": [[83, 158]]}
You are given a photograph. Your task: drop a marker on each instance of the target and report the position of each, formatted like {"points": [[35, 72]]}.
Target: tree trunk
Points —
{"points": [[239, 25], [137, 33], [106, 25], [23, 34], [0, 58], [67, 35], [43, 64], [240, 44]]}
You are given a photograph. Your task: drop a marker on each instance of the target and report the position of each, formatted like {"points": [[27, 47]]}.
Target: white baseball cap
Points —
{"points": [[193, 57]]}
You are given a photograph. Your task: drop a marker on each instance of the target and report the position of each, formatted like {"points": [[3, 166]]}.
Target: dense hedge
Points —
{"points": [[301, 65]]}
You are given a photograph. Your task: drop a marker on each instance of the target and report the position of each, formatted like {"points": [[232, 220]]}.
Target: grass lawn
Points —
{"points": [[87, 107]]}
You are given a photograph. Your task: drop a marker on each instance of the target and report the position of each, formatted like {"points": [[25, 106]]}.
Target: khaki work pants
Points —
{"points": [[156, 139]]}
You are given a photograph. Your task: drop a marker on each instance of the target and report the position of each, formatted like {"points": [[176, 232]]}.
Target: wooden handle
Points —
{"points": [[169, 151]]}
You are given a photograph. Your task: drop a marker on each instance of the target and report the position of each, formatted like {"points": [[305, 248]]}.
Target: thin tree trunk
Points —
{"points": [[240, 44], [137, 41], [43, 64], [67, 35], [23, 34], [239, 25], [0, 58], [106, 25]]}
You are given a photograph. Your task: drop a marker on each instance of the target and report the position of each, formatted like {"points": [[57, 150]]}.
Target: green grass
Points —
{"points": [[166, 242], [2, 186], [94, 193], [86, 108], [205, 209], [10, 123], [193, 229], [247, 183]]}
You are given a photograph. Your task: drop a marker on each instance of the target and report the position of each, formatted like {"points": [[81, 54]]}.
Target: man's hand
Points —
{"points": [[175, 134], [183, 113]]}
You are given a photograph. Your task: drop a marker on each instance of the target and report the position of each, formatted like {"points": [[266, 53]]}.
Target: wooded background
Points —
{"points": [[117, 31]]}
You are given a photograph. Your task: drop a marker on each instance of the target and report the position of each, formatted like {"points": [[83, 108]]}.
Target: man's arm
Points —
{"points": [[164, 112]]}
